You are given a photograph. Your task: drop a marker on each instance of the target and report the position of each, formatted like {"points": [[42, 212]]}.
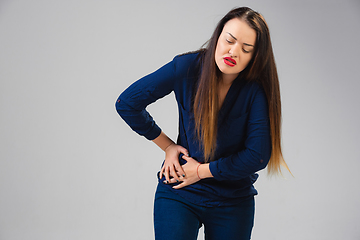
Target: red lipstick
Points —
{"points": [[229, 61]]}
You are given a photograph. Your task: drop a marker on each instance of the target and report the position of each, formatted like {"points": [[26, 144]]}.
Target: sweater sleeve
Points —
{"points": [[257, 151], [131, 104]]}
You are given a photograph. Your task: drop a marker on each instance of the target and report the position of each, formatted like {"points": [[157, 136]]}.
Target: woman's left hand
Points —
{"points": [[191, 175]]}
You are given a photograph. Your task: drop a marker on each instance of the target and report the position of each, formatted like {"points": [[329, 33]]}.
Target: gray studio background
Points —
{"points": [[70, 168]]}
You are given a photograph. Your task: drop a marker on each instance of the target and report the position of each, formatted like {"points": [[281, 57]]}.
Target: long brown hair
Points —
{"points": [[261, 68]]}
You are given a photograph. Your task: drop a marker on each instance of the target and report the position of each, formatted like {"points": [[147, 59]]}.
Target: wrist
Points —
{"points": [[168, 146], [197, 171], [163, 141], [203, 171]]}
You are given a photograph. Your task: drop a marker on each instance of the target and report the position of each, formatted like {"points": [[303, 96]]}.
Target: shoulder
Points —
{"points": [[187, 62], [252, 87], [189, 56], [257, 96], [253, 91]]}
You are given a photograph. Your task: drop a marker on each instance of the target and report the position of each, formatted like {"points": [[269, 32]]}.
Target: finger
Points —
{"points": [[174, 174], [161, 173], [181, 176], [166, 172], [172, 180], [179, 170], [181, 185], [186, 157], [184, 151]]}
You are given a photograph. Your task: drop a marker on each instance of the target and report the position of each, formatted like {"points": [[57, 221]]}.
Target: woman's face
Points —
{"points": [[234, 48]]}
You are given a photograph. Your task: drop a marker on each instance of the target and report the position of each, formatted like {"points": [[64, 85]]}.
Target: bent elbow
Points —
{"points": [[259, 160], [122, 108], [262, 164], [118, 107]]}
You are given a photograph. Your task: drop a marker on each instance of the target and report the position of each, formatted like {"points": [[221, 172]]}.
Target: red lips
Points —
{"points": [[229, 61]]}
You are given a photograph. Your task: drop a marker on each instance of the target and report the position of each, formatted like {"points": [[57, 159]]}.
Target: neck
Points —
{"points": [[227, 79]]}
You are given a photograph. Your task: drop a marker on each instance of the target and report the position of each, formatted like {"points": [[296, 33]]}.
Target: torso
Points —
{"points": [[223, 90]]}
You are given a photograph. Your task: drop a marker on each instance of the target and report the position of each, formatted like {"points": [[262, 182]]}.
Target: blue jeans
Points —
{"points": [[177, 219]]}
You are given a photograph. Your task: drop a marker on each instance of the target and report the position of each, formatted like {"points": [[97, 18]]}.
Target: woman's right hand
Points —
{"points": [[172, 167]]}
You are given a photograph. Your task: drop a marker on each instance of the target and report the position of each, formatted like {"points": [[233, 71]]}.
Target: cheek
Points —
{"points": [[217, 50], [244, 63], [247, 59], [220, 48]]}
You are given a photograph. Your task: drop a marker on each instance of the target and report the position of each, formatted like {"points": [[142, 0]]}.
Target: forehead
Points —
{"points": [[240, 30]]}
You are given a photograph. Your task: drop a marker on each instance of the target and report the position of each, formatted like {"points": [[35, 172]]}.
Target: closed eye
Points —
{"points": [[246, 51], [228, 41]]}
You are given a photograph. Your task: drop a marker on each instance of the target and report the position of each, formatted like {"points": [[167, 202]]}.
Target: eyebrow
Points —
{"points": [[231, 35], [236, 39], [248, 45]]}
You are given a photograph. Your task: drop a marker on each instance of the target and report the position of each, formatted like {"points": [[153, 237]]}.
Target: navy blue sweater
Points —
{"points": [[243, 140]]}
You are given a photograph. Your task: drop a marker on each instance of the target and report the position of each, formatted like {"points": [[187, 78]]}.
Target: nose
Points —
{"points": [[233, 51]]}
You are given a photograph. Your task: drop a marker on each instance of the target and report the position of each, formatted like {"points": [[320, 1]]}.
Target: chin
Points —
{"points": [[229, 71]]}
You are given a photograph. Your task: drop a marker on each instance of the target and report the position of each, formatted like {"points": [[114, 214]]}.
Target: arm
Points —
{"points": [[257, 150], [171, 167], [241, 164], [163, 141], [131, 106], [195, 171]]}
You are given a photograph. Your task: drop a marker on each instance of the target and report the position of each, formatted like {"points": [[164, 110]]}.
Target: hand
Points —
{"points": [[172, 167], [191, 174]]}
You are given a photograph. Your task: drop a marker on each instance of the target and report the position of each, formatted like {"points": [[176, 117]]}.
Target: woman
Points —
{"points": [[229, 128]]}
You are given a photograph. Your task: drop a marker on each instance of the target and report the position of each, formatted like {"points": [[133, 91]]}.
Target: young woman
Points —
{"points": [[229, 128]]}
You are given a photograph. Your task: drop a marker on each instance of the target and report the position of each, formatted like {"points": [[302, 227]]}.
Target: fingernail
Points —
{"points": [[183, 175], [177, 180]]}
